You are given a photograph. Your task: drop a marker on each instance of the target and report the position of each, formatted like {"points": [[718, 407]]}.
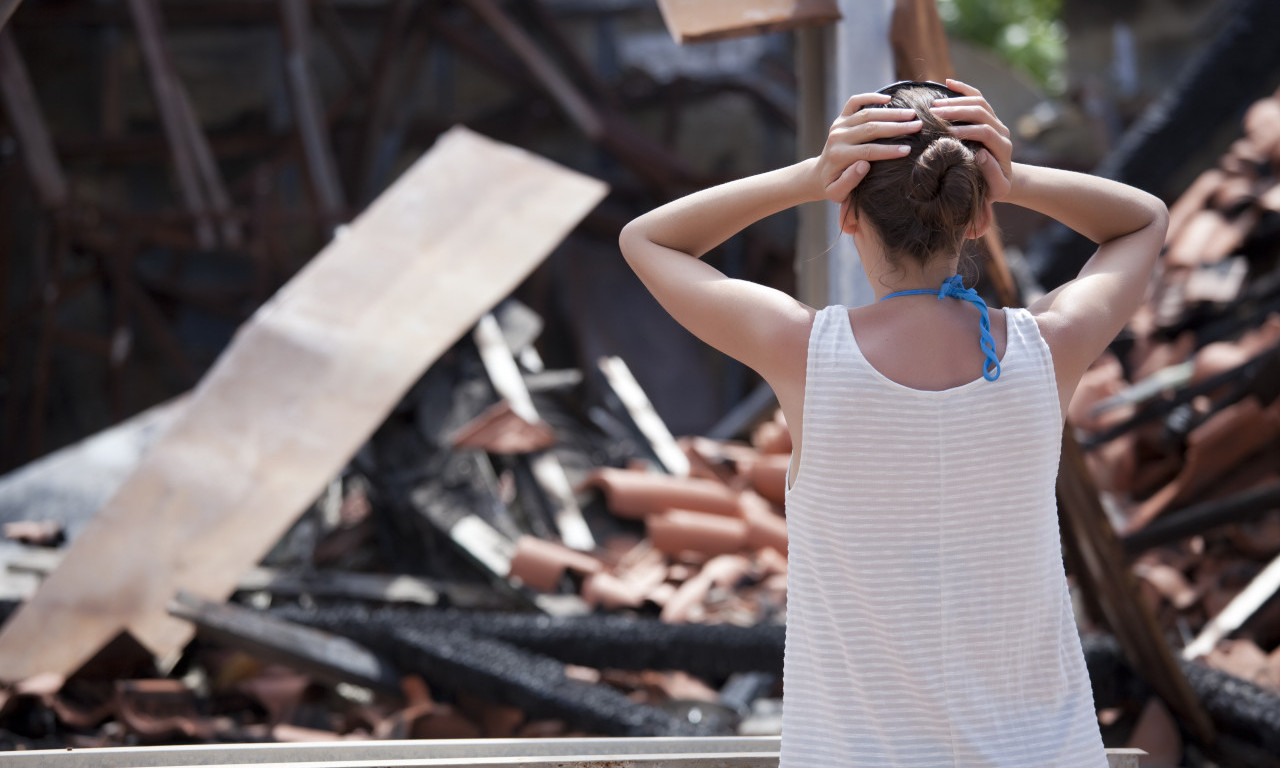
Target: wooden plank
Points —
{"points": [[696, 21], [1237, 612], [646, 419], [295, 20], [547, 470], [28, 123], [302, 386]]}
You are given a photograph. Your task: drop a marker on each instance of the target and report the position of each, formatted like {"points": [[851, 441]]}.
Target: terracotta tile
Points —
{"points": [[1262, 124], [1269, 197], [679, 530], [1104, 379], [678, 685], [771, 561], [772, 436], [765, 528], [159, 709], [1225, 439], [287, 733], [1169, 582], [638, 494], [769, 477], [724, 570], [542, 729], [39, 533], [605, 590], [1147, 358], [445, 722], [1241, 658], [1258, 539], [1192, 201], [540, 564], [1209, 237], [500, 430], [1222, 356], [1234, 194], [704, 461], [279, 690], [43, 684]]}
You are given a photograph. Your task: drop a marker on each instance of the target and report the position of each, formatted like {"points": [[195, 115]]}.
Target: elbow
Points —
{"points": [[629, 241], [1157, 215]]}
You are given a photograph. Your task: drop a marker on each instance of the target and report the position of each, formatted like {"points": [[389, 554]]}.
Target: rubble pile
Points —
{"points": [[1182, 422]]}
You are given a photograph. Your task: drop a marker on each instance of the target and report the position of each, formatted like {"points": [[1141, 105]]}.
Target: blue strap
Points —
{"points": [[953, 287]]}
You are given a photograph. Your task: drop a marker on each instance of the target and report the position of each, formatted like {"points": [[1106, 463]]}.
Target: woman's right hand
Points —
{"points": [[996, 159], [849, 150]]}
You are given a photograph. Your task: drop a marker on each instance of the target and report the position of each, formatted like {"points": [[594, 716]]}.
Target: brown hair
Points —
{"points": [[923, 203]]}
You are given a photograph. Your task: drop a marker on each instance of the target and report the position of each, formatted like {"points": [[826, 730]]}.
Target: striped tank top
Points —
{"points": [[928, 619]]}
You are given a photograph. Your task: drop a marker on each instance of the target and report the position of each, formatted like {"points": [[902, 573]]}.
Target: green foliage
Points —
{"points": [[1028, 34]]}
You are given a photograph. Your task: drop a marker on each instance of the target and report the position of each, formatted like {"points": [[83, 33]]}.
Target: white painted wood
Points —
{"points": [[1237, 612], [651, 425]]}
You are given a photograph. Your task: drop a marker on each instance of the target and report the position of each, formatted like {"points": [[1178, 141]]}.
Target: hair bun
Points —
{"points": [[930, 174]]}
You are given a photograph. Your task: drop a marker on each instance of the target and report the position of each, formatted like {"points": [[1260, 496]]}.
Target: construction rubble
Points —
{"points": [[380, 515]]}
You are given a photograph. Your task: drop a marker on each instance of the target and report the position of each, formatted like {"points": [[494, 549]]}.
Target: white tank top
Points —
{"points": [[928, 619]]}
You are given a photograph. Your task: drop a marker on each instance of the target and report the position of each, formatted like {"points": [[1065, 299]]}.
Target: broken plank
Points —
{"points": [[547, 470], [303, 385], [1237, 612], [696, 21], [323, 655], [642, 412]]}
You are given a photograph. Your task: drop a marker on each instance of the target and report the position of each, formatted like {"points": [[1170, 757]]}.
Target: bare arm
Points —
{"points": [[764, 328], [1080, 318]]}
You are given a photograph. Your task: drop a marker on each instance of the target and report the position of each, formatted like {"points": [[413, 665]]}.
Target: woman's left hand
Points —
{"points": [[996, 157], [849, 151]]}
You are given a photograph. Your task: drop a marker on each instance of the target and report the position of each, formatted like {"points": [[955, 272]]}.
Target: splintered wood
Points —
{"points": [[303, 385], [696, 21]]}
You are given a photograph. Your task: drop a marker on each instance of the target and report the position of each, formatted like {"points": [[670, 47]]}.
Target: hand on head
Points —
{"points": [[996, 157], [852, 143], [849, 149]]}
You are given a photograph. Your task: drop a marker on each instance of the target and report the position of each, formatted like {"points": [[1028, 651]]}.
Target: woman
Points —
{"points": [[929, 622]]}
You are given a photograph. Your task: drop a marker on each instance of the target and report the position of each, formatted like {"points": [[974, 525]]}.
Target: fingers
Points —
{"points": [[839, 189], [860, 100], [968, 113], [962, 87]]}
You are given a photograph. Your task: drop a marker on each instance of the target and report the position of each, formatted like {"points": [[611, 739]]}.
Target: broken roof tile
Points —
{"points": [[637, 494]]}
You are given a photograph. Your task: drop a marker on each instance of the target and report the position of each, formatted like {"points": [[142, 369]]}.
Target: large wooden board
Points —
{"points": [[304, 383], [695, 21]]}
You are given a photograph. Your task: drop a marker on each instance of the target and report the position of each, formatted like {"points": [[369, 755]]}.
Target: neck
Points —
{"points": [[929, 276]]}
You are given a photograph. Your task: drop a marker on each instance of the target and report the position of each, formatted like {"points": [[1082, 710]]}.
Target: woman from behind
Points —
{"points": [[929, 622]]}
